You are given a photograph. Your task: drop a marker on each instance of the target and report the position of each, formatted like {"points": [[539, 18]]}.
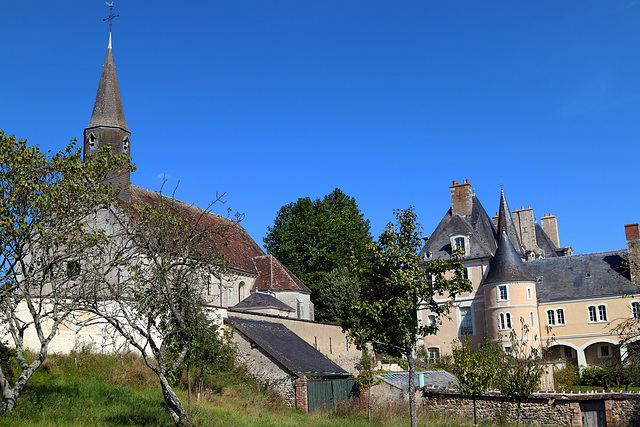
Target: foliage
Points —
{"points": [[564, 379], [163, 256], [312, 238], [400, 284], [522, 366], [335, 294], [48, 200], [476, 370], [611, 375]]}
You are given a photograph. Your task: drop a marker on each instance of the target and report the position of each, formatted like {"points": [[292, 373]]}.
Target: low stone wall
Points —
{"points": [[548, 408]]}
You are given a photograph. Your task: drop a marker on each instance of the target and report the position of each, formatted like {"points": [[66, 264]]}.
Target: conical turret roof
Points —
{"points": [[107, 110], [505, 224], [506, 265]]}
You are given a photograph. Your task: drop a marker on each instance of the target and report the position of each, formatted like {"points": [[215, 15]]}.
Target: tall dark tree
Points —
{"points": [[314, 237]]}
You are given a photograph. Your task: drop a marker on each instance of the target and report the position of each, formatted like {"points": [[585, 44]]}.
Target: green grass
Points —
{"points": [[96, 390]]}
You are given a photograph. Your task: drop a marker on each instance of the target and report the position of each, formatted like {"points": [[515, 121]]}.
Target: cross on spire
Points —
{"points": [[111, 15]]}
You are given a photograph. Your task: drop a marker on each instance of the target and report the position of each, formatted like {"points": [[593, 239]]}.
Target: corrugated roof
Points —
{"points": [[436, 378], [287, 348]]}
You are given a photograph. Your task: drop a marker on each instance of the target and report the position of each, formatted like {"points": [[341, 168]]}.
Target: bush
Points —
{"points": [[7, 361], [566, 377]]}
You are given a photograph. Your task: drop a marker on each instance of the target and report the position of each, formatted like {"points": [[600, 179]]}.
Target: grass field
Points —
{"points": [[98, 390]]}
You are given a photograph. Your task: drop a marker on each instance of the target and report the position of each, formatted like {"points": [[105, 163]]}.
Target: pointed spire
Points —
{"points": [[506, 265], [107, 110], [506, 225]]}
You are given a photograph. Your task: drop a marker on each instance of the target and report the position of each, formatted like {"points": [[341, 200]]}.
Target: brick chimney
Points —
{"points": [[633, 248], [461, 198], [549, 224]]}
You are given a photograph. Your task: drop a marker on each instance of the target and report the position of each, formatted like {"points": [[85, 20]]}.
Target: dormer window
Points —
{"points": [[125, 144], [460, 242], [92, 141]]}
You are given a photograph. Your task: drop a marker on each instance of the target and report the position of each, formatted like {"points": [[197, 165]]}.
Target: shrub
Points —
{"points": [[567, 377]]}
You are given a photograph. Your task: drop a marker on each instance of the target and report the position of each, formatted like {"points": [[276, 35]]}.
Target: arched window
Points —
{"points": [[125, 144], [92, 141], [242, 289], [504, 321]]}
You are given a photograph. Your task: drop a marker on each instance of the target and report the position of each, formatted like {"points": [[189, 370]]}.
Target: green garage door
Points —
{"points": [[328, 393]]}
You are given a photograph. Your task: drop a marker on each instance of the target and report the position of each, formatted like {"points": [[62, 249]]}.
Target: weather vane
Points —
{"points": [[111, 15]]}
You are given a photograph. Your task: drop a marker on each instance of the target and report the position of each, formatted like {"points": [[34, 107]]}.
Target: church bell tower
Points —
{"points": [[107, 125]]}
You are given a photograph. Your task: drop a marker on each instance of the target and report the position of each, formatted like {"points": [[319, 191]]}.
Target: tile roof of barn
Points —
{"points": [[287, 348], [273, 276]]}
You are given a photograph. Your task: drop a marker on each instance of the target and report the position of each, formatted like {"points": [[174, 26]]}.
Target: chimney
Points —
{"points": [[633, 248], [461, 198], [549, 224]]}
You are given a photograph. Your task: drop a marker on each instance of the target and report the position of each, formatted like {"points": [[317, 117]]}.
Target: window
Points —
{"points": [[551, 317], [502, 293], [92, 141], [507, 349], [432, 321], [592, 314], [567, 352], [460, 244], [602, 313], [504, 321], [73, 269], [604, 351], [635, 310], [242, 291], [560, 316], [466, 324], [125, 144], [532, 321], [529, 294], [433, 354]]}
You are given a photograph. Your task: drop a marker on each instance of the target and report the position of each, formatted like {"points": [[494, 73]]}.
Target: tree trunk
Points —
{"points": [[412, 387], [519, 409], [176, 410], [475, 414], [10, 394]]}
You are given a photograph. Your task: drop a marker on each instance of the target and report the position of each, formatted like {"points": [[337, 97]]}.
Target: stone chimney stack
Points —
{"points": [[526, 227], [461, 198], [549, 224], [633, 247]]}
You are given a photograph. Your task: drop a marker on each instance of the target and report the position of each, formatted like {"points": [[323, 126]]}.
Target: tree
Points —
{"points": [[47, 200], [336, 291], [522, 366], [476, 370], [314, 237], [386, 315], [148, 283]]}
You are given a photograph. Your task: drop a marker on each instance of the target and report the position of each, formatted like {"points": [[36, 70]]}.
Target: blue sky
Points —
{"points": [[270, 101]]}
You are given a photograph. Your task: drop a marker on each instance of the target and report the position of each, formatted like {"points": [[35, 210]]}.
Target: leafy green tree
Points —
{"points": [[386, 315], [163, 257], [335, 294], [522, 366], [314, 237], [47, 202], [476, 370]]}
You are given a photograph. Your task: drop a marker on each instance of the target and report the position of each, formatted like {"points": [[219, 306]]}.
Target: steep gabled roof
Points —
{"points": [[478, 226], [592, 275], [544, 242], [261, 301], [287, 348], [107, 110], [273, 276], [506, 265]]}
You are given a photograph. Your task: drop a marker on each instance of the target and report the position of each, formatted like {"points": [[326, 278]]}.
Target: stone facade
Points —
{"points": [[620, 408]]}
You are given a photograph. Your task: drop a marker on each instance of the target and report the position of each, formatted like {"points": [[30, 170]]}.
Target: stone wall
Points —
{"points": [[556, 408]]}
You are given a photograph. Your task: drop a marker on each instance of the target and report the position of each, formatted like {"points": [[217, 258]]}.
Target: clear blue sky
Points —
{"points": [[390, 101]]}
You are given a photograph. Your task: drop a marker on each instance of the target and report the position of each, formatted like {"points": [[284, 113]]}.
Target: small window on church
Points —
{"points": [[92, 141], [125, 144]]}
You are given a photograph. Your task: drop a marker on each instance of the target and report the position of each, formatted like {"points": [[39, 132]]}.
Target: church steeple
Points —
{"points": [[107, 125]]}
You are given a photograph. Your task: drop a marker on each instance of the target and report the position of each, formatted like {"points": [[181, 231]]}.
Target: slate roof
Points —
{"points": [[545, 243], [477, 225], [276, 277], [287, 348], [107, 110], [436, 378], [260, 301], [582, 276], [506, 265], [506, 225]]}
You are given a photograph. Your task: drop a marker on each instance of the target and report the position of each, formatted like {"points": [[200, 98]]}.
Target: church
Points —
{"points": [[522, 276], [256, 282]]}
